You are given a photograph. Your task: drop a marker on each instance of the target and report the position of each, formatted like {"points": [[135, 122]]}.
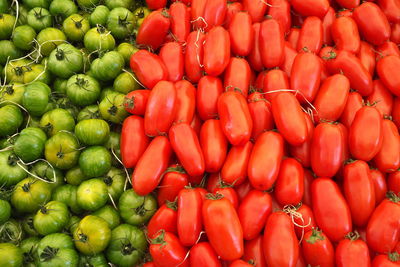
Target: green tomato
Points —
{"points": [[99, 16], [49, 39], [6, 25], [11, 232], [30, 194], [92, 235], [62, 150], [110, 215], [62, 9], [57, 120], [5, 211], [51, 218], [67, 194], [37, 72], [12, 93], [89, 112], [88, 3], [135, 209], [125, 83], [10, 120], [95, 161], [106, 92], [66, 104], [108, 66], [72, 224], [92, 194], [75, 176], [140, 14], [127, 50], [113, 144], [112, 108], [49, 173], [10, 255], [14, 71], [115, 181], [99, 39], [127, 246], [28, 148], [10, 172], [75, 27], [27, 226], [22, 16], [65, 61], [93, 261], [111, 4], [8, 51], [92, 132], [39, 18], [60, 86], [37, 3], [36, 98], [57, 250], [83, 90], [119, 22], [34, 131], [29, 251], [34, 122], [23, 37]]}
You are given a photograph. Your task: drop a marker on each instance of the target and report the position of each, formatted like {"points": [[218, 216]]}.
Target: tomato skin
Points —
{"points": [[229, 193], [216, 51], [388, 157], [232, 9], [293, 37], [352, 253], [387, 49], [215, 12], [156, 4], [379, 181], [253, 212], [265, 160], [311, 35], [235, 117], [345, 34], [234, 170], [290, 55], [385, 68], [353, 104], [256, 9], [260, 110], [185, 143], [253, 250], [202, 254], [391, 9], [134, 141], [271, 43], [168, 251], [395, 37], [308, 179], [317, 249], [302, 153], [382, 97], [237, 75], [280, 10], [227, 238], [151, 165], [172, 55], [174, 179], [209, 89], [161, 109], [148, 67], [289, 188], [372, 23], [164, 219], [185, 101], [194, 56], [311, 8], [308, 220], [197, 11], [327, 22], [240, 263], [154, 29], [396, 111], [281, 246], [384, 260], [136, 101], [328, 205], [367, 57], [241, 34], [254, 57], [274, 80], [180, 21]]}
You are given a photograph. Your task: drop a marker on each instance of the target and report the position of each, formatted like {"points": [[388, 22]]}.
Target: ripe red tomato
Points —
{"points": [[197, 12], [237, 75], [386, 70], [349, 4], [232, 9], [331, 211], [274, 80], [253, 251], [367, 57], [185, 101], [215, 12], [281, 247], [311, 7], [353, 104], [327, 22], [240, 263], [271, 43], [317, 249], [196, 123], [172, 55], [163, 219], [227, 192], [243, 189], [166, 251], [209, 89], [202, 254], [393, 182], [289, 187], [395, 36], [234, 170], [382, 98], [345, 34], [256, 9], [280, 10], [174, 179], [260, 111], [308, 179], [290, 55], [352, 252], [396, 111], [383, 260], [241, 34], [255, 54], [180, 21], [388, 157], [293, 37], [306, 220], [379, 181], [154, 29], [156, 4], [311, 35], [391, 9], [387, 49], [217, 51], [194, 55], [136, 101]]}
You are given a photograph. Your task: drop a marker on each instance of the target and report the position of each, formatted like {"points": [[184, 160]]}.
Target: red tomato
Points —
{"points": [[281, 246], [265, 160], [306, 220], [280, 10], [185, 101], [166, 251], [311, 7], [163, 219], [367, 57], [215, 12], [308, 179], [395, 36], [289, 188], [185, 143], [240, 263], [349, 4], [391, 9], [235, 117], [311, 35], [156, 4], [202, 254], [197, 13], [194, 56], [227, 237], [330, 209], [372, 23], [253, 251], [196, 124], [274, 80], [234, 170], [148, 67], [382, 98], [135, 102], [353, 104], [149, 264], [237, 75], [256, 9], [383, 260], [386, 70], [393, 182], [345, 34], [396, 111], [260, 110], [241, 33], [208, 91], [216, 51], [172, 55], [387, 49], [229, 193], [253, 212], [213, 182], [379, 181], [327, 147], [133, 140], [352, 252], [180, 21], [255, 54], [290, 55], [154, 29], [289, 118], [174, 179], [293, 37], [388, 157], [327, 26], [317, 249], [161, 109], [271, 43], [243, 189], [232, 9]]}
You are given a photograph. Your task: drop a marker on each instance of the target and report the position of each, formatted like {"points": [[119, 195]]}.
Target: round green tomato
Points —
{"points": [[113, 144], [135, 209], [65, 61], [66, 104], [57, 250], [37, 3], [10, 172], [49, 39], [34, 122], [57, 120], [75, 176], [106, 92], [30, 194], [93, 261], [75, 27], [115, 181], [49, 173], [61, 9], [29, 148], [51, 218], [108, 66], [127, 246], [95, 161], [6, 25], [10, 255], [29, 251], [89, 112], [34, 131], [37, 72], [88, 3], [99, 16], [22, 16], [92, 194], [12, 93], [119, 22], [27, 226], [60, 86], [11, 232], [36, 98], [111, 4], [56, 240], [125, 83], [127, 50], [110, 215], [93, 131], [99, 39], [39, 18], [8, 51], [62, 150], [140, 14], [5, 211], [83, 90], [67, 194], [72, 224], [14, 71], [112, 108], [10, 120], [92, 235], [23, 37]]}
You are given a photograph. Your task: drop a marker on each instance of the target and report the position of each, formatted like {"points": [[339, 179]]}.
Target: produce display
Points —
{"points": [[199, 133]]}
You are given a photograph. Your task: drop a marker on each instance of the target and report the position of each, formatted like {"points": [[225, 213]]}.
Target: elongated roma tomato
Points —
{"points": [[260, 110], [393, 182], [254, 57], [352, 251], [253, 251], [289, 118], [383, 260], [290, 55], [185, 101], [154, 29], [186, 145], [217, 51], [328, 206], [197, 12], [174, 179], [274, 80], [235, 117], [180, 21], [241, 33], [232, 9], [386, 70], [151, 165], [280, 10], [209, 89], [265, 160], [327, 22], [202, 254], [161, 109], [345, 34], [387, 49], [226, 238], [388, 157], [280, 243], [136, 101], [166, 250], [367, 57], [307, 220], [382, 98], [271, 43], [134, 141], [214, 13], [349, 4], [353, 104], [148, 67], [256, 9], [237, 75], [311, 7], [234, 170], [302, 153], [289, 188], [172, 55], [317, 249], [194, 56], [229, 193], [156, 4], [163, 219], [379, 180], [311, 35]]}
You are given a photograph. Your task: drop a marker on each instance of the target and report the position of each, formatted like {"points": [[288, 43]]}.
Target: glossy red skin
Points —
{"points": [[197, 11], [367, 57], [253, 250], [172, 55], [274, 80], [372, 23], [196, 123], [349, 4], [306, 76], [308, 179], [289, 118], [202, 254], [318, 251], [290, 55], [216, 51], [185, 143], [240, 263], [151, 166], [353, 104], [148, 67], [153, 30], [134, 141], [308, 220], [265, 160], [215, 12], [382, 97], [232, 9], [235, 117], [243, 189], [237, 75], [241, 34], [156, 4], [260, 110], [352, 253], [387, 49], [209, 89], [293, 38], [170, 253], [345, 13], [234, 170], [180, 21], [289, 187], [388, 157], [280, 10], [256, 9], [396, 111], [311, 8], [379, 181], [185, 101], [395, 36], [253, 213], [280, 243], [391, 9], [345, 34], [171, 183], [149, 264], [327, 26], [255, 55], [136, 101], [229, 193], [164, 219], [329, 205], [225, 234], [384, 261], [311, 35], [386, 69], [271, 43], [194, 56], [393, 182], [346, 150]]}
